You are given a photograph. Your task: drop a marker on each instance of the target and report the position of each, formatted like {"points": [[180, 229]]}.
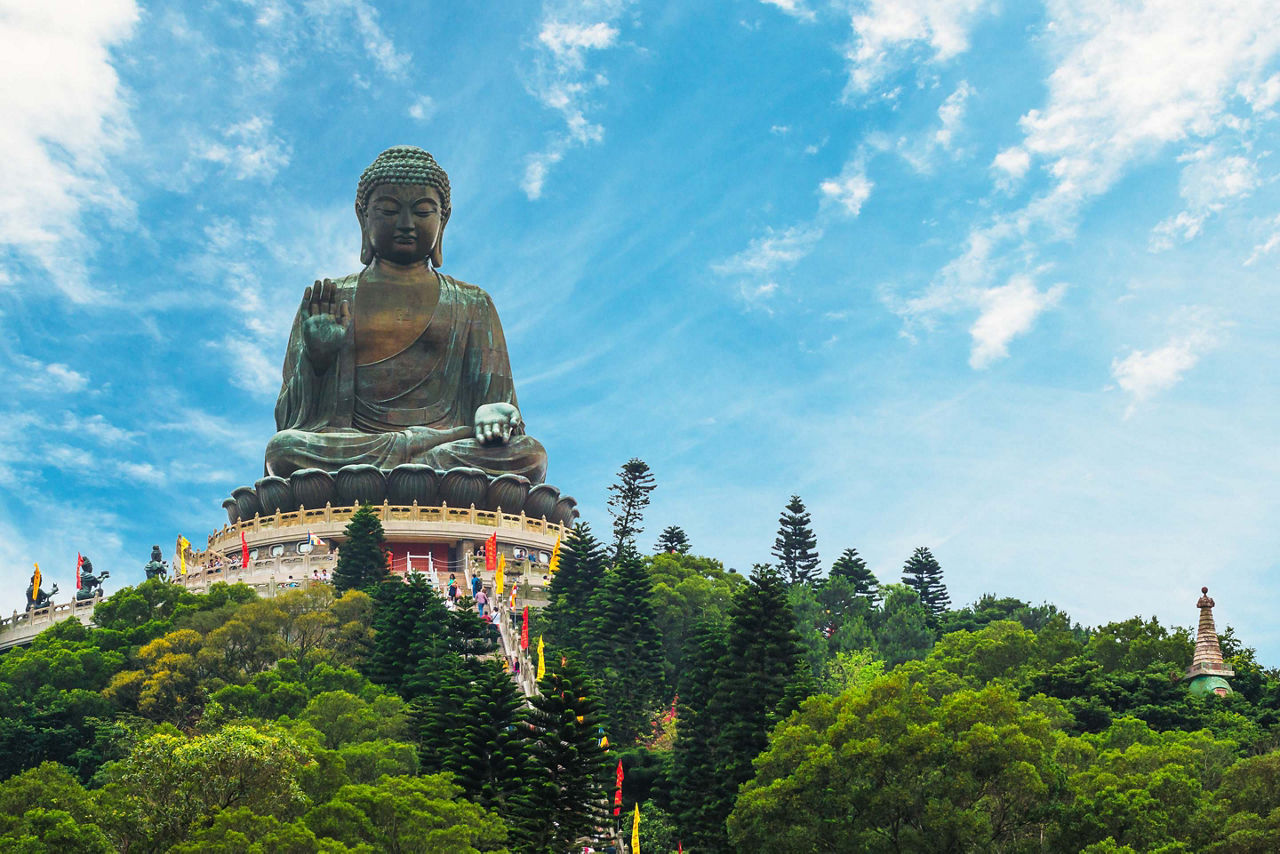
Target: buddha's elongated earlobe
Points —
{"points": [[437, 250], [366, 248]]}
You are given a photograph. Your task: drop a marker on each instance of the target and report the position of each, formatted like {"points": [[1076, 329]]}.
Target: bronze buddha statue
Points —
{"points": [[399, 363]]}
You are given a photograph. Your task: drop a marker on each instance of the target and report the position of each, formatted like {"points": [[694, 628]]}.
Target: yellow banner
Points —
{"points": [[500, 577], [183, 545], [635, 832], [542, 662], [35, 581], [555, 558]]}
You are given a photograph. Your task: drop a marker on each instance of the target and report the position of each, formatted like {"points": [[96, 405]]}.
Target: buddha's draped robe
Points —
{"points": [[416, 406]]}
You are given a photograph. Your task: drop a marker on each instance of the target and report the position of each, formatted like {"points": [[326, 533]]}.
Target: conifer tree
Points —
{"points": [[474, 729], [673, 539], [624, 651], [568, 770], [698, 721], [765, 678], [581, 575], [628, 499], [851, 566], [411, 628], [796, 547], [922, 573], [361, 560]]}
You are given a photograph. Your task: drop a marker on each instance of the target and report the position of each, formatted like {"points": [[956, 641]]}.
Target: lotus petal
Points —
{"points": [[360, 484], [413, 482]]}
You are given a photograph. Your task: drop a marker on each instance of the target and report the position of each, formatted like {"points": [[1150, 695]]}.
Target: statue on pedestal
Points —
{"points": [[157, 567], [90, 584], [37, 598], [399, 363]]}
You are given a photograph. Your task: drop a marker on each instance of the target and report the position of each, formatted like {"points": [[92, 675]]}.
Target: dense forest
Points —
{"points": [[781, 710]]}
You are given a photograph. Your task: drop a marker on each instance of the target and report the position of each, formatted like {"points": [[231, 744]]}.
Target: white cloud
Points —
{"points": [[249, 150], [849, 191], [1143, 373], [770, 253], [1209, 181], [361, 18], [1268, 245], [795, 8], [921, 150], [1011, 166], [64, 115], [891, 33], [951, 114], [563, 82], [51, 376], [423, 108], [251, 370], [1007, 311]]}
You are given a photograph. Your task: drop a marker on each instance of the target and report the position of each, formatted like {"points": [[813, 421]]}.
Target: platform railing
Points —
{"points": [[391, 513]]}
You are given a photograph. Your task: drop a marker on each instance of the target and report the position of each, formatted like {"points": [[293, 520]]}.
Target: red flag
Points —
{"points": [[244, 551], [617, 795], [679, 847], [79, 563], [524, 631], [491, 553]]}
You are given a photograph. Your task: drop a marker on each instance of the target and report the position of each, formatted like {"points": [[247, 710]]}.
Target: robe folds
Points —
{"points": [[415, 406]]}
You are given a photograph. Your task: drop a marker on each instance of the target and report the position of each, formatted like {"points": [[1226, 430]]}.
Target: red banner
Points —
{"points": [[244, 551], [79, 563], [524, 631], [617, 795], [491, 553]]}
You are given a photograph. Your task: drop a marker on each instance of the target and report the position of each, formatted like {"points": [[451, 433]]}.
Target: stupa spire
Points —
{"points": [[1207, 673]]}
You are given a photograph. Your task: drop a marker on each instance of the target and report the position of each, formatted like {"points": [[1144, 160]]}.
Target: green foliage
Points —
{"points": [[851, 567], [624, 652], [569, 779], [628, 499], [407, 814], [698, 724], [580, 577], [903, 633], [687, 589], [864, 771], [923, 574], [361, 560], [673, 540], [796, 546]]}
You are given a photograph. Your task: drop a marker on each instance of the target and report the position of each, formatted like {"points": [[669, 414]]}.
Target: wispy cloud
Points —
{"points": [[757, 266], [850, 190], [1145, 373], [888, 34], [1210, 180], [1006, 312], [64, 114], [248, 150], [52, 377], [795, 8], [562, 80]]}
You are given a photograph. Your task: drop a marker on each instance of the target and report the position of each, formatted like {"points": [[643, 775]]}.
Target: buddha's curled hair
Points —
{"points": [[404, 164]]}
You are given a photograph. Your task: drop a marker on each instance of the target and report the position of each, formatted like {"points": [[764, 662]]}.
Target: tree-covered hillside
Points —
{"points": [[762, 712]]}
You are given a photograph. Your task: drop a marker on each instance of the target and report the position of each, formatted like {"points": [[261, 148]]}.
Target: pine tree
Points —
{"points": [[568, 770], [627, 500], [796, 547], [851, 566], [695, 767], [765, 678], [922, 573], [412, 629], [474, 730], [361, 560], [581, 575], [672, 539], [624, 651]]}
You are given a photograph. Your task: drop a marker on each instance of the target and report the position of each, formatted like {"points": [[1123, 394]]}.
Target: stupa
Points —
{"points": [[1208, 672], [397, 392]]}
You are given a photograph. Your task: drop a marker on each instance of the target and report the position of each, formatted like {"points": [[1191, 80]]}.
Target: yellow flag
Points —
{"points": [[35, 581], [555, 558], [542, 663], [500, 577], [183, 545], [635, 832]]}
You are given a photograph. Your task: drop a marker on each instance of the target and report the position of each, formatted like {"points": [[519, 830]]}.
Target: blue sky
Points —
{"points": [[996, 278]]}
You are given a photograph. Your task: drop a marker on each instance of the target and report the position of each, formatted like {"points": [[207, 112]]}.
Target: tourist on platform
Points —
{"points": [[453, 587], [481, 601], [324, 575], [475, 585]]}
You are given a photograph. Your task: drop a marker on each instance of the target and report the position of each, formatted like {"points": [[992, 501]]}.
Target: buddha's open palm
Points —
{"points": [[496, 423], [325, 322]]}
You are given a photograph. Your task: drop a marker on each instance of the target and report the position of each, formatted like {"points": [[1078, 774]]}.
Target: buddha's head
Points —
{"points": [[403, 206]]}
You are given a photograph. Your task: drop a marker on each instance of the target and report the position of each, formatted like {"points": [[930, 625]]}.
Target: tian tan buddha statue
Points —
{"points": [[399, 363]]}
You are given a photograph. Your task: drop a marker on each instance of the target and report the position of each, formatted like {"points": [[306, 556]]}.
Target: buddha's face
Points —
{"points": [[403, 222]]}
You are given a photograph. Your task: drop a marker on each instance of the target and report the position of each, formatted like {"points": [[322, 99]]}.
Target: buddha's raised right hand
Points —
{"points": [[325, 322]]}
